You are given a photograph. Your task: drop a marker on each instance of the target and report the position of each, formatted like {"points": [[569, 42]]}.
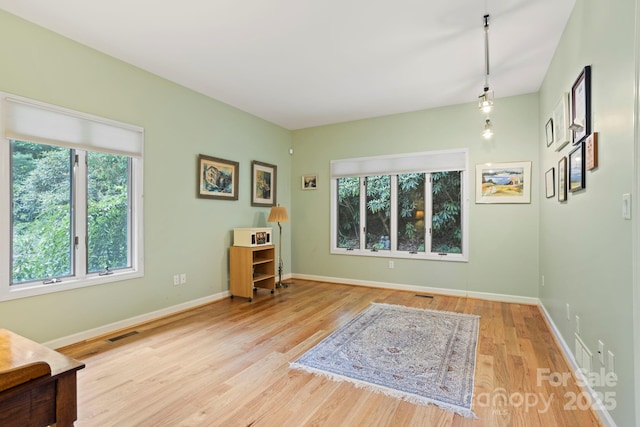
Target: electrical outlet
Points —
{"points": [[626, 206], [183, 278], [176, 280], [568, 312], [391, 265], [543, 280]]}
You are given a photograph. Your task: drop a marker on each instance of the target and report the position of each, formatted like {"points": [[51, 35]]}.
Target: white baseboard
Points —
{"points": [[136, 320], [132, 321], [423, 289], [601, 412], [604, 415]]}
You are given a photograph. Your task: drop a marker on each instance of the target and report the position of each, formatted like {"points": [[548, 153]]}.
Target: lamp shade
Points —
{"points": [[278, 214]]}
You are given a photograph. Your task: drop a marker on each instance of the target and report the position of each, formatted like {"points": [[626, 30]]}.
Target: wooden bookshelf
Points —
{"points": [[250, 269]]}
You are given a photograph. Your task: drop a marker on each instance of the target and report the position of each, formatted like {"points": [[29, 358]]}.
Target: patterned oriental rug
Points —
{"points": [[421, 356]]}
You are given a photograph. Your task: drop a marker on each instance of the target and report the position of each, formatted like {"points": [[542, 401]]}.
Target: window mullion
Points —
{"points": [[393, 208], [5, 215], [363, 213], [80, 214], [428, 213]]}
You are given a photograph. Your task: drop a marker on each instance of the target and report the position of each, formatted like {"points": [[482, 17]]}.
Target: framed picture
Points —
{"points": [[591, 151], [561, 123], [581, 106], [263, 184], [217, 178], [503, 182], [309, 182], [562, 179], [576, 169], [550, 183], [549, 132]]}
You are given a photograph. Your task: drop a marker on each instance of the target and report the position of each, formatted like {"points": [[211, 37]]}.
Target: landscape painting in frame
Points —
{"points": [[263, 184], [217, 178], [503, 182]]}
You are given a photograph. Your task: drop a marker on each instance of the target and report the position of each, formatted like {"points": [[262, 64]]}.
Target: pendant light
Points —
{"points": [[485, 100]]}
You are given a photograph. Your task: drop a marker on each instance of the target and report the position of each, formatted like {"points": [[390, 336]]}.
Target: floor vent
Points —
{"points": [[119, 337], [424, 296]]}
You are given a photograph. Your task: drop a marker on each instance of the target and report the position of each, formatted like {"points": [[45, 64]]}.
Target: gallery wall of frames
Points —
{"points": [[568, 131]]}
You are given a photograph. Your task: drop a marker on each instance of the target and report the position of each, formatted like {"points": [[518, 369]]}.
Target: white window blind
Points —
{"points": [[28, 120], [431, 161]]}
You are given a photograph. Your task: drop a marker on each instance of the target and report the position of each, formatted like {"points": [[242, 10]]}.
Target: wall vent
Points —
{"points": [[584, 358], [119, 337]]}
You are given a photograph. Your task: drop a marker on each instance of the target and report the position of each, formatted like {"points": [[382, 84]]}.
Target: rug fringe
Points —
{"points": [[426, 309], [407, 397]]}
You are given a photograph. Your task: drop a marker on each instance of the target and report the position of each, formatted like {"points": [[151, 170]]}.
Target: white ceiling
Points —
{"points": [[302, 63]]}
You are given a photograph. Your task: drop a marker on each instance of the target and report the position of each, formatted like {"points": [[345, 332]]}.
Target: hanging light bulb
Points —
{"points": [[487, 133], [485, 101]]}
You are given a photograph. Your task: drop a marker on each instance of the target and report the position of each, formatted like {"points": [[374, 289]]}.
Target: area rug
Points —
{"points": [[421, 356]]}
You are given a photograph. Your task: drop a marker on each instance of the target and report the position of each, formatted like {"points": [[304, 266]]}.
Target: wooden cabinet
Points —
{"points": [[251, 268]]}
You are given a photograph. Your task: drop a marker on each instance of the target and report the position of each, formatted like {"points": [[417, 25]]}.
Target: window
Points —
{"points": [[74, 200], [406, 206]]}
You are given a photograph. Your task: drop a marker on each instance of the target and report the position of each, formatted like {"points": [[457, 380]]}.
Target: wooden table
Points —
{"points": [[29, 395]]}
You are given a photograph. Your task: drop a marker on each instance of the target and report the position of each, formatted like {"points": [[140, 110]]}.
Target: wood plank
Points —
{"points": [[227, 363]]}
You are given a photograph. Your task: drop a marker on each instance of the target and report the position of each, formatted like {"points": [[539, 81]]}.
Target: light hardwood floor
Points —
{"points": [[227, 364]]}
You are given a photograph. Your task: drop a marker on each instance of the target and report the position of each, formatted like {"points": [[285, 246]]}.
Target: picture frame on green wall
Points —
{"points": [[550, 183], [562, 179], [508, 182], [549, 132], [561, 123], [263, 184], [217, 178], [576, 169], [581, 106], [309, 182], [591, 151]]}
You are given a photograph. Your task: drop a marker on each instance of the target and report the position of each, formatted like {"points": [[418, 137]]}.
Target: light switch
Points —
{"points": [[626, 206]]}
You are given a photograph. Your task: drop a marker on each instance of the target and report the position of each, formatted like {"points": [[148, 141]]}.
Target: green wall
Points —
{"points": [[503, 242], [585, 245], [583, 248], [183, 234]]}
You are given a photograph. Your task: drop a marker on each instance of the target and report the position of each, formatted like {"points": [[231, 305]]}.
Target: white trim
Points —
{"points": [[516, 299], [598, 407], [508, 298], [393, 251], [603, 414], [30, 289], [635, 221], [79, 277], [133, 321], [599, 410]]}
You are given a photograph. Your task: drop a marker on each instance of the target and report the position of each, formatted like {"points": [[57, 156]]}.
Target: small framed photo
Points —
{"points": [[561, 123], [550, 183], [263, 184], [503, 182], [591, 151], [549, 132], [581, 106], [562, 179], [217, 178], [309, 182], [576, 169]]}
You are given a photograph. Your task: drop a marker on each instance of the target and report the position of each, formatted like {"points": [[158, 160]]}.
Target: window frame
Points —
{"points": [[383, 163], [80, 277]]}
